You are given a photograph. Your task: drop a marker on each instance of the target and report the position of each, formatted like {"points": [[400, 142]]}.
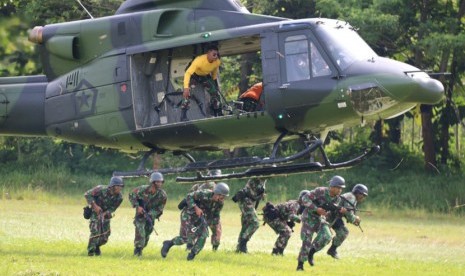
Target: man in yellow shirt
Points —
{"points": [[203, 70]]}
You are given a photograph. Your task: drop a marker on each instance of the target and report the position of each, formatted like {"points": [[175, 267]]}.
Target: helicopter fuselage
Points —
{"points": [[115, 81]]}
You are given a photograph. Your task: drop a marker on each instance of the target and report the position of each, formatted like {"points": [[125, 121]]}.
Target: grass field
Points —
{"points": [[50, 238]]}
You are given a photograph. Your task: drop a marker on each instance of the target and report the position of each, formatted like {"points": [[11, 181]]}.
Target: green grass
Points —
{"points": [[40, 237]]}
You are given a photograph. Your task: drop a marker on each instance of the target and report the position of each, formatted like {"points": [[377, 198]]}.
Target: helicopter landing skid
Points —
{"points": [[257, 167]]}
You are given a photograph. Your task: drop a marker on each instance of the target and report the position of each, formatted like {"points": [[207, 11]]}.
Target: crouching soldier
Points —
{"points": [[104, 200], [194, 227], [281, 218], [149, 201], [349, 201]]}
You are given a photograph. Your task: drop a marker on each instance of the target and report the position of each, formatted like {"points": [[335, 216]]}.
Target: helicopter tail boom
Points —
{"points": [[22, 105]]}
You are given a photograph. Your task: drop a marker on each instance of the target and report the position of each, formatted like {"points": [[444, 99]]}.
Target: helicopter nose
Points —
{"points": [[426, 91]]}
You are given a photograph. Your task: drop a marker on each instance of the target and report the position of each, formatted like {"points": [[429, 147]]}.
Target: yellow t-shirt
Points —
{"points": [[201, 67]]}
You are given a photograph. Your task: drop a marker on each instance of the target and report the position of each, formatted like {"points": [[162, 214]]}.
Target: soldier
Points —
{"points": [[208, 185], [203, 70], [349, 201], [213, 222], [281, 218], [149, 201], [248, 199], [104, 201], [313, 219], [194, 228]]}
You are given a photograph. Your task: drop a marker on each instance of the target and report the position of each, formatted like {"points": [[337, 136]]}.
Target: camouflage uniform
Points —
{"points": [[100, 224], [213, 223], [287, 213], [349, 202], [194, 230], [153, 205], [314, 223], [251, 194]]}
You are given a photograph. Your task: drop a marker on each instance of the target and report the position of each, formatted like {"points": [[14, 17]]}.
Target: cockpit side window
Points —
{"points": [[297, 57], [303, 59], [319, 66]]}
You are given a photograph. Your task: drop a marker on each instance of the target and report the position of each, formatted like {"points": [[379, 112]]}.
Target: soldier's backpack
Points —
{"points": [[87, 212], [270, 212], [182, 204]]}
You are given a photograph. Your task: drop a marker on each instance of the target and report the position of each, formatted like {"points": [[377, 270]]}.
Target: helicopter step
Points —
{"points": [[283, 169], [257, 167]]}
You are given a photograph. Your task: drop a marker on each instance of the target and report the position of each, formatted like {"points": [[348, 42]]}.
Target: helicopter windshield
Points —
{"points": [[344, 45]]}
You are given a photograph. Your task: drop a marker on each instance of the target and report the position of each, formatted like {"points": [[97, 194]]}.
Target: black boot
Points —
{"points": [[275, 251], [333, 252], [137, 251], [242, 246], [215, 247], [91, 253], [310, 256], [191, 256], [166, 248], [97, 251], [281, 251], [300, 266]]}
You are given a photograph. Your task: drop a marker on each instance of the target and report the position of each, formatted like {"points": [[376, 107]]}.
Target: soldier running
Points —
{"points": [[194, 227], [104, 200], [314, 219], [213, 222], [149, 201], [248, 199], [349, 201], [281, 218]]}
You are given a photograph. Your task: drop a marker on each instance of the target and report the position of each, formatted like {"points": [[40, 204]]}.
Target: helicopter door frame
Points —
{"points": [[307, 75], [271, 62]]}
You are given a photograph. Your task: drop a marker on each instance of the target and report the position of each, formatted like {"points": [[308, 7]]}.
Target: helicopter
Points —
{"points": [[116, 82]]}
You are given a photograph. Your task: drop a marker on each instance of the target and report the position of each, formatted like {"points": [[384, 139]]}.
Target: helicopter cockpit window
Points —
{"points": [[319, 65], [344, 44], [297, 58]]}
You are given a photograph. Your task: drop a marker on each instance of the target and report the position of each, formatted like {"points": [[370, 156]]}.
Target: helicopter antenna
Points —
{"points": [[79, 1]]}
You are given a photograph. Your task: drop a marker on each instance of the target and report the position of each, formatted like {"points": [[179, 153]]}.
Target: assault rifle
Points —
{"points": [[147, 216], [100, 222], [201, 224], [336, 209]]}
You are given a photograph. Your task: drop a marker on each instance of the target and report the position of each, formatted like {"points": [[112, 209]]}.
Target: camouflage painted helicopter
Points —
{"points": [[115, 82]]}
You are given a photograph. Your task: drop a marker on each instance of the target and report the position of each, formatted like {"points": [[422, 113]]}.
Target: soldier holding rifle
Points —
{"points": [[248, 199], [149, 201], [349, 201], [104, 200], [314, 219], [194, 227]]}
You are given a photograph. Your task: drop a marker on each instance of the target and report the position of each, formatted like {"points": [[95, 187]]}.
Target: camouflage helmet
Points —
{"points": [[337, 181], [156, 176], [214, 172], [302, 193], [255, 181], [360, 189], [116, 181], [221, 189]]}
